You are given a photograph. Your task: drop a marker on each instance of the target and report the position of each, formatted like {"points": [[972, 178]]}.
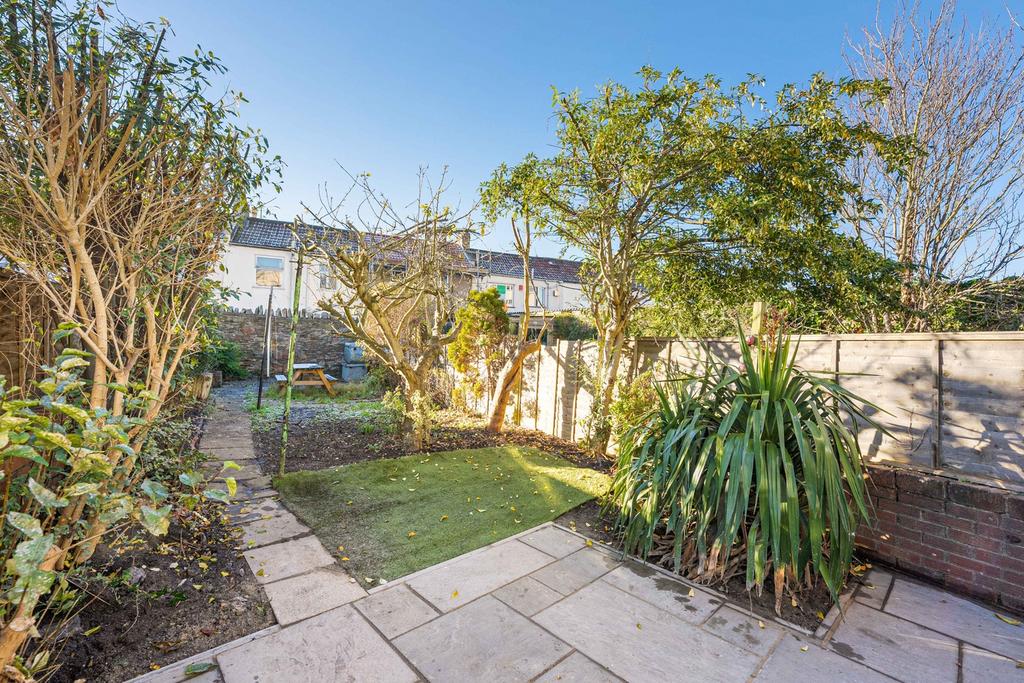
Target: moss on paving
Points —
{"points": [[396, 516]]}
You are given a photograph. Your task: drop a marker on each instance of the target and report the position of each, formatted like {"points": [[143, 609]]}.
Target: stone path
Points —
{"points": [[546, 605]]}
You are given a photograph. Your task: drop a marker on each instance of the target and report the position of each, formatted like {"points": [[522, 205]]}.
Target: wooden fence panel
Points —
{"points": [[949, 401]]}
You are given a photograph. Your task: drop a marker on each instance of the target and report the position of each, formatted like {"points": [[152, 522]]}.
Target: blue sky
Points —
{"points": [[389, 86]]}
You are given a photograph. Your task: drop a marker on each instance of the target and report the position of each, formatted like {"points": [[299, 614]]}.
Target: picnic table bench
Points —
{"points": [[308, 374]]}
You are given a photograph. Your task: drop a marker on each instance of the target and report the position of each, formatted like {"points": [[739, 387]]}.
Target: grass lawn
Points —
{"points": [[396, 516]]}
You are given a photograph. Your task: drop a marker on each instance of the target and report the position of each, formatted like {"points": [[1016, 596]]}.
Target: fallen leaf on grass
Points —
{"points": [[344, 559], [411, 534], [444, 518]]}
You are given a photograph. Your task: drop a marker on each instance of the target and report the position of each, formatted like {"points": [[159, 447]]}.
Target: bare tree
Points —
{"points": [[952, 216], [400, 278]]}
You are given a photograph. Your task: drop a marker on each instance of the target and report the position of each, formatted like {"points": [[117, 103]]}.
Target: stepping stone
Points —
{"points": [[743, 630], [335, 646], [553, 541], [527, 596], [667, 593], [874, 588], [281, 560], [220, 455], [396, 610], [895, 647], [243, 512], [639, 642], [790, 662], [575, 571], [463, 580], [578, 669], [484, 641], [307, 595], [956, 617], [263, 532], [981, 666]]}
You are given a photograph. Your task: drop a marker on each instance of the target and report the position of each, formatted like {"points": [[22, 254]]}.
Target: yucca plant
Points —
{"points": [[763, 455]]}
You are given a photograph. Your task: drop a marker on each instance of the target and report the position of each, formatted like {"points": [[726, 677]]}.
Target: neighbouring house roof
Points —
{"points": [[268, 233], [511, 265]]}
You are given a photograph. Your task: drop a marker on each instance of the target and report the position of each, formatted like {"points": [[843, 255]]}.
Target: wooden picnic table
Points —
{"points": [[308, 374]]}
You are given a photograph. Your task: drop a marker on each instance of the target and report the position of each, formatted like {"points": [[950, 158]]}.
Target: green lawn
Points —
{"points": [[396, 516]]}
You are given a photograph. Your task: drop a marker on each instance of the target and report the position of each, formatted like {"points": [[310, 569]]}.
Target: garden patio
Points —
{"points": [[549, 604]]}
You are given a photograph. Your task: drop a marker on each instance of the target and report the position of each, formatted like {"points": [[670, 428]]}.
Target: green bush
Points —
{"points": [[65, 465], [224, 355], [755, 462], [633, 400], [572, 327]]}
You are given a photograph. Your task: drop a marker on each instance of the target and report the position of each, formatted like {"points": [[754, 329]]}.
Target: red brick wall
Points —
{"points": [[968, 537]]}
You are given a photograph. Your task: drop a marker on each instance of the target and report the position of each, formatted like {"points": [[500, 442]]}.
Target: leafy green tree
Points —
{"points": [[479, 348], [688, 169]]}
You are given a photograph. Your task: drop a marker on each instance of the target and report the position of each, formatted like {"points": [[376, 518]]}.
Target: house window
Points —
{"points": [[542, 296], [327, 281], [269, 271]]}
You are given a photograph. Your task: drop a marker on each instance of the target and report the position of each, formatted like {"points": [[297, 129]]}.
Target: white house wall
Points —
{"points": [[239, 274], [569, 295]]}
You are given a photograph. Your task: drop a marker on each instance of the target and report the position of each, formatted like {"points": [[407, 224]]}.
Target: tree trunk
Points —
{"points": [[507, 377], [611, 353]]}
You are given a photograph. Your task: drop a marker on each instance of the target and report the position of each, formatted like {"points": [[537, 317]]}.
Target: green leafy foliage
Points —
{"points": [[479, 348], [572, 327], [755, 464]]}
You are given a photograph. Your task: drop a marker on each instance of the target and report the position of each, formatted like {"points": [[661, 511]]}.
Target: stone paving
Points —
{"points": [[546, 605]]}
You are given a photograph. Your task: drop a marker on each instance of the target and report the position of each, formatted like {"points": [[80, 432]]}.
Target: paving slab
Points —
{"points": [[955, 616], [527, 595], [684, 601], [639, 642], [338, 645], [396, 610], [574, 571], [894, 646], [874, 587], [576, 668], [243, 512], [553, 541], [756, 635], [453, 584], [483, 641], [282, 560], [800, 659], [264, 531], [981, 666], [312, 593]]}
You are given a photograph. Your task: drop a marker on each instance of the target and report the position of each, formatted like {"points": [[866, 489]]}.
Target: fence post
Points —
{"points": [[937, 410], [554, 394]]}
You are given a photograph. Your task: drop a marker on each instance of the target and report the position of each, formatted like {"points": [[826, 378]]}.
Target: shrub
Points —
{"points": [[223, 355], [633, 401], [65, 463], [751, 465], [572, 327]]}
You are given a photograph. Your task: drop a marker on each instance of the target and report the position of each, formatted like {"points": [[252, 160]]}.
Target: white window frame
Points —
{"points": [[257, 268]]}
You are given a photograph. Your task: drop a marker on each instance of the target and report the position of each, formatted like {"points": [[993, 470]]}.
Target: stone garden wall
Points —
{"points": [[316, 341]]}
